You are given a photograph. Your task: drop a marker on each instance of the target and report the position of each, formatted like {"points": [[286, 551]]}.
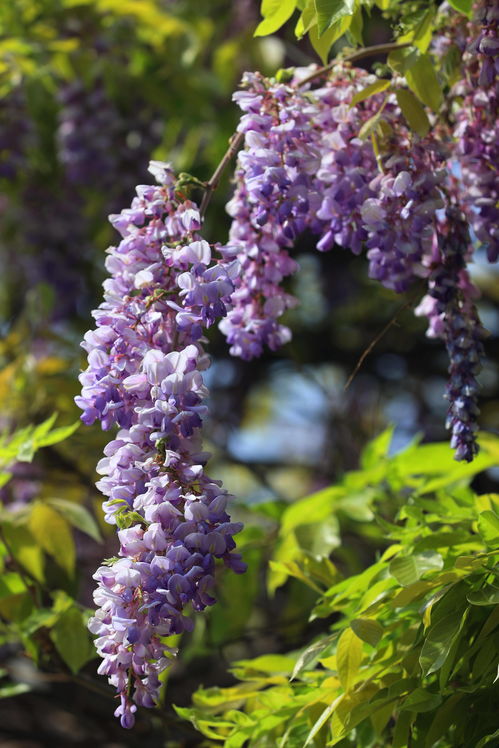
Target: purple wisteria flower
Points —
{"points": [[146, 360], [449, 306], [476, 135]]}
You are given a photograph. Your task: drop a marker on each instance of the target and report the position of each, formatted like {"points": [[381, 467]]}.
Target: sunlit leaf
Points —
{"points": [[367, 629], [72, 640], [78, 516], [409, 569], [422, 79], [53, 534], [331, 11], [348, 658], [413, 112], [275, 14]]}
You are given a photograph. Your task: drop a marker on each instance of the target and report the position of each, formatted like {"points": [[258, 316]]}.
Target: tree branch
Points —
{"points": [[234, 145], [376, 49]]}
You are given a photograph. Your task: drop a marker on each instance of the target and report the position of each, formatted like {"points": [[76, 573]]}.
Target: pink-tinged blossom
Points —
{"points": [[146, 360]]}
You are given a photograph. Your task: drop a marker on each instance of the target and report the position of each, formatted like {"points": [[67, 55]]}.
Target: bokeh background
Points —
{"points": [[90, 90]]}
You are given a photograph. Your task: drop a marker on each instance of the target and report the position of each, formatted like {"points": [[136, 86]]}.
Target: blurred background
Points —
{"points": [[90, 90]]}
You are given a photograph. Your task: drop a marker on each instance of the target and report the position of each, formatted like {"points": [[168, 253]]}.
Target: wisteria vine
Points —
{"points": [[304, 166]]}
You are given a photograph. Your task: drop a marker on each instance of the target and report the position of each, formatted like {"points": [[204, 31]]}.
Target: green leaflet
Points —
{"points": [[275, 14], [331, 11]]}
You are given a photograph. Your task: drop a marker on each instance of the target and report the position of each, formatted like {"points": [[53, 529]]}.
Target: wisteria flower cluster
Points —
{"points": [[304, 167], [449, 306], [476, 134], [145, 368]]}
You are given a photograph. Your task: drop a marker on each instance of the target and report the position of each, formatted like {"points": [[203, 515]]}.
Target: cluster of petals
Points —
{"points": [[449, 306], [304, 167], [146, 360], [476, 133]]}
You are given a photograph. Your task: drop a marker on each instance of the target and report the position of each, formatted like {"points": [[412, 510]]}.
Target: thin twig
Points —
{"points": [[378, 337], [237, 138], [234, 145], [376, 49]]}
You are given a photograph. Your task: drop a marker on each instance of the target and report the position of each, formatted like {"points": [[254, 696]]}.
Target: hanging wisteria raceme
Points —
{"points": [[305, 166], [449, 306], [476, 135], [145, 368], [268, 208]]}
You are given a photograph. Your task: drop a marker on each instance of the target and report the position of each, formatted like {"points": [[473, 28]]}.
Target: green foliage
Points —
{"points": [[38, 563], [339, 23], [410, 649]]}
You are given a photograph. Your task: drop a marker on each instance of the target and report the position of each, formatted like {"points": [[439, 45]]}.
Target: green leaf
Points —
{"points": [[438, 643], [408, 569], [413, 112], [422, 79], [485, 596], [13, 689], [322, 44], [348, 658], [486, 740], [368, 630], [323, 718], [25, 550], [421, 700], [275, 14], [488, 527], [78, 516], [307, 19], [57, 435], [52, 533], [331, 11], [402, 731], [372, 123], [311, 653], [442, 720], [72, 640], [465, 7], [379, 446], [11, 583]]}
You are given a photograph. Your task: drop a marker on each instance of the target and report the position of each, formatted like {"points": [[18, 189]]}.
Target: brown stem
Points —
{"points": [[237, 138], [376, 49], [234, 145]]}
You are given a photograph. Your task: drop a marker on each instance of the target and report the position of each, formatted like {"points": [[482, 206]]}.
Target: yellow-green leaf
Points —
{"points": [[370, 90], [72, 640], [323, 43], [275, 14], [413, 112], [331, 11], [24, 548], [422, 79], [53, 534], [368, 630], [348, 658]]}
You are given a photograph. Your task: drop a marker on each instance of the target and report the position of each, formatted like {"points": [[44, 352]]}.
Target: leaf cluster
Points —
{"points": [[38, 609], [411, 651]]}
